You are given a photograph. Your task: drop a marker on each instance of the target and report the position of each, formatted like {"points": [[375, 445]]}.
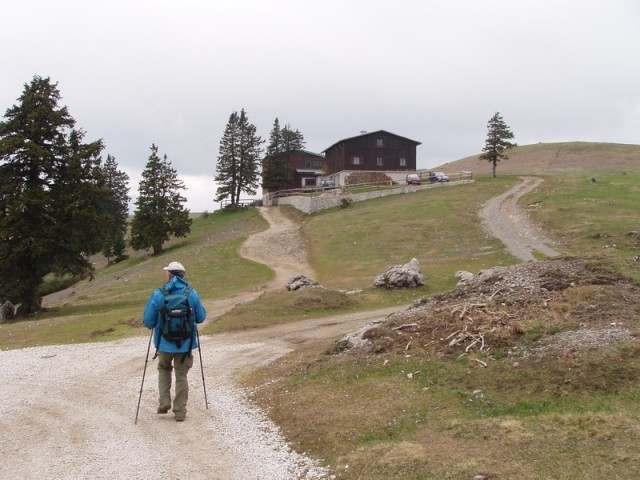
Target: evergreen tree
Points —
{"points": [[238, 159], [497, 141], [53, 198], [275, 165], [118, 183], [81, 200], [275, 140], [292, 139], [160, 212]]}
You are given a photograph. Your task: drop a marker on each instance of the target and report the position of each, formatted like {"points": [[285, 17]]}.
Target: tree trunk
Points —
{"points": [[31, 302], [157, 249], [493, 169]]}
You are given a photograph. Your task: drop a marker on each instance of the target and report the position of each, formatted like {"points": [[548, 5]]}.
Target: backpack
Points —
{"points": [[176, 320]]}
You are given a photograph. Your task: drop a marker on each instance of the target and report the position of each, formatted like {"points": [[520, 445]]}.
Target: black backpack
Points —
{"points": [[176, 320]]}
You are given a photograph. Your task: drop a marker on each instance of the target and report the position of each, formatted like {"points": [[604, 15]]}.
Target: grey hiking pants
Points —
{"points": [[166, 363]]}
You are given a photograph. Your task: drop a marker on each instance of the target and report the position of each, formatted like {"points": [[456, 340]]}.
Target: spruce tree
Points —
{"points": [[497, 142], [159, 212], [292, 139], [275, 140], [274, 168], [275, 165], [53, 198], [238, 160], [118, 183]]}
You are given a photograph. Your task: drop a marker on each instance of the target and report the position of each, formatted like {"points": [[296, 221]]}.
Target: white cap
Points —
{"points": [[175, 267]]}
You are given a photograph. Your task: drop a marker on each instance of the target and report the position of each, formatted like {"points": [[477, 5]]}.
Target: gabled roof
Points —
{"points": [[307, 152], [369, 134]]}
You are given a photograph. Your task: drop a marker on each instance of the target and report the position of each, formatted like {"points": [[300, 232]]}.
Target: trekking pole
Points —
{"points": [[206, 403], [146, 360]]}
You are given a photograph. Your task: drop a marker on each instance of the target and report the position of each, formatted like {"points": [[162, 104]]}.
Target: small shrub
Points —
{"points": [[499, 354], [57, 284], [345, 202]]}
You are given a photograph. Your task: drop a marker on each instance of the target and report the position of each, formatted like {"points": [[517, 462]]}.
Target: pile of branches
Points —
{"points": [[461, 328], [496, 308]]}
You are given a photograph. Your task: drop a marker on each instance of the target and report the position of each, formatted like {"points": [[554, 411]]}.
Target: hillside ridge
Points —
{"points": [[542, 158]]}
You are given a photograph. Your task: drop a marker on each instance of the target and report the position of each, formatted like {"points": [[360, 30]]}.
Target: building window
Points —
{"points": [[355, 161], [380, 142], [379, 161], [403, 162]]}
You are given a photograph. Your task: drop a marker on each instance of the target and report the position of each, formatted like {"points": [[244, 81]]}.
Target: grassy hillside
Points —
{"points": [[349, 247], [110, 306], [553, 393], [440, 227], [552, 158], [412, 407]]}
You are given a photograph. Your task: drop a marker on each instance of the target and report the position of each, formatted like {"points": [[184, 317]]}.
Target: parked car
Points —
{"points": [[328, 183], [435, 177], [413, 179]]}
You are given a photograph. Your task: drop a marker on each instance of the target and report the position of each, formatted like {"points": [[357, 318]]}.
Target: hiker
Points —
{"points": [[174, 354]]}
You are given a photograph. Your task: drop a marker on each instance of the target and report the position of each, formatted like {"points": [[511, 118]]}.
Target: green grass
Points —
{"points": [[537, 418], [348, 247], [277, 307], [110, 306], [587, 218], [440, 227], [412, 417]]}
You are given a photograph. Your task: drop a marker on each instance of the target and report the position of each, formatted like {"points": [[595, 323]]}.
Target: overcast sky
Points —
{"points": [[137, 72]]}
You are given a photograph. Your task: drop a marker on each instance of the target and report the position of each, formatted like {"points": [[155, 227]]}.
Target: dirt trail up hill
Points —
{"points": [[505, 220], [67, 411]]}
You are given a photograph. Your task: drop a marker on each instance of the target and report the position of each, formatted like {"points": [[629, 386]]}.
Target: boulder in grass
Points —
{"points": [[463, 276], [7, 311], [300, 281], [401, 276]]}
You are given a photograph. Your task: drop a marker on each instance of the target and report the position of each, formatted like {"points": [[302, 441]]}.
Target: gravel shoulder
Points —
{"points": [[67, 411]]}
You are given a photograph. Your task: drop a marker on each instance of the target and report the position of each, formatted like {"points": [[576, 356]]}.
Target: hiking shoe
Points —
{"points": [[163, 409], [180, 417]]}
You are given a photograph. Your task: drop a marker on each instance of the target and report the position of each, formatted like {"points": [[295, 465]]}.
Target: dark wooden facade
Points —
{"points": [[375, 151], [304, 168]]}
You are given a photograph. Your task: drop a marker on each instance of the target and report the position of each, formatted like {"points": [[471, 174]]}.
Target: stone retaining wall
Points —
{"points": [[333, 198]]}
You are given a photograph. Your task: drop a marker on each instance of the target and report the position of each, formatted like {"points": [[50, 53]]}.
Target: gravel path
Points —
{"points": [[67, 411], [505, 220]]}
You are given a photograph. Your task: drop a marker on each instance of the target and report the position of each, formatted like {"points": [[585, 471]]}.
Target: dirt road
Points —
{"points": [[505, 220], [67, 411]]}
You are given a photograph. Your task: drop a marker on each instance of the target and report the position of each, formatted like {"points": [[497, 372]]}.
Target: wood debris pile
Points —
{"points": [[501, 309]]}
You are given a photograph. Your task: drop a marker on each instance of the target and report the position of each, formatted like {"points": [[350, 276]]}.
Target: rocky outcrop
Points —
{"points": [[301, 281], [463, 276], [7, 311], [401, 276]]}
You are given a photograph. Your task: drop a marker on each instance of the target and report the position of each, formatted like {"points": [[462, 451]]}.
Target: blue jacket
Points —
{"points": [[155, 303]]}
